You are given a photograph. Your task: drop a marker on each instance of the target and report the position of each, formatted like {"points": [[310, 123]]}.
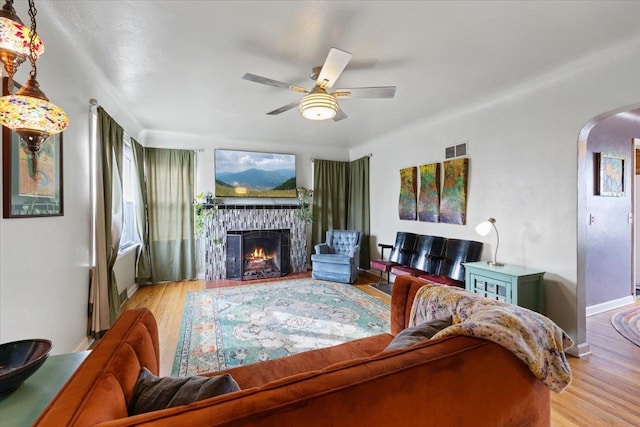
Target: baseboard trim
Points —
{"points": [[581, 350], [132, 290], [610, 305], [84, 344]]}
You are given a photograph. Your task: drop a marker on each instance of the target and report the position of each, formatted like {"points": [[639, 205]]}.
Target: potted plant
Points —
{"points": [[202, 212], [304, 212]]}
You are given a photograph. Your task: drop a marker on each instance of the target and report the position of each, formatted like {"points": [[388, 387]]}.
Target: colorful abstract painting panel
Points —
{"points": [[453, 206], [408, 188], [429, 196]]}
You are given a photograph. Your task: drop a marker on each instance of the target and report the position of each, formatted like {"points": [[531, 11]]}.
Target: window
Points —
{"points": [[129, 233]]}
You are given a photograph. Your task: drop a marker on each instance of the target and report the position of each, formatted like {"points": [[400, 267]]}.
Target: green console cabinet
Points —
{"points": [[510, 283], [21, 407]]}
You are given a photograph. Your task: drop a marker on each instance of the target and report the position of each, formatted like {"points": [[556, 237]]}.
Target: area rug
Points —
{"points": [[627, 322], [226, 327]]}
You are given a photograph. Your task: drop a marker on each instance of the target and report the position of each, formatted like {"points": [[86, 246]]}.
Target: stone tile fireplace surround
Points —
{"points": [[252, 217]]}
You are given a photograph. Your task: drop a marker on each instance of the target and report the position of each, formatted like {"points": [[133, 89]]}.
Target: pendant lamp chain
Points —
{"points": [[32, 37]]}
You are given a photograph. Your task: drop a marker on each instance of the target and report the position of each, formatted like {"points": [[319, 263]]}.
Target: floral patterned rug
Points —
{"points": [[226, 327]]}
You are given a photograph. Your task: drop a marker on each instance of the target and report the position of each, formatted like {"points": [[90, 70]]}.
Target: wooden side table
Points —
{"points": [[26, 403], [511, 283]]}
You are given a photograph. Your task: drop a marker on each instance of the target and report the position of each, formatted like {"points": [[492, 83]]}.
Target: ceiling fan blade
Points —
{"points": [[340, 115], [271, 82], [284, 108], [366, 92], [333, 66]]}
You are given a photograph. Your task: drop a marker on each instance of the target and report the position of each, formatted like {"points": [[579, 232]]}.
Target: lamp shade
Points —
{"points": [[483, 229], [15, 37], [318, 105], [25, 111], [32, 116], [14, 41]]}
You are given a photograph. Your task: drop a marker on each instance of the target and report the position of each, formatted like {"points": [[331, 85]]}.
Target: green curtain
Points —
{"points": [[111, 139], [358, 205], [170, 188], [330, 195], [341, 201], [143, 265]]}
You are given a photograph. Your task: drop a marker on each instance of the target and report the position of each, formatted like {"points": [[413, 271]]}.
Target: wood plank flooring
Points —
{"points": [[605, 390]]}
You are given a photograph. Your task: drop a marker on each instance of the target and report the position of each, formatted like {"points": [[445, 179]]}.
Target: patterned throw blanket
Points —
{"points": [[532, 337]]}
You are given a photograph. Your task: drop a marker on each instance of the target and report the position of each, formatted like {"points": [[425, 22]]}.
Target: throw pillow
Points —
{"points": [[418, 333], [153, 393]]}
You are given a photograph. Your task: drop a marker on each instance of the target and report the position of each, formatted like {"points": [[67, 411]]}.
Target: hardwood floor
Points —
{"points": [[605, 390]]}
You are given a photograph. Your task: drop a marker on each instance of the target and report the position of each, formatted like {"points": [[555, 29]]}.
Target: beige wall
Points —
{"points": [[523, 163]]}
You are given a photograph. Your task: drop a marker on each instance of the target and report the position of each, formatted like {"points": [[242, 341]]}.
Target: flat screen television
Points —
{"points": [[254, 174]]}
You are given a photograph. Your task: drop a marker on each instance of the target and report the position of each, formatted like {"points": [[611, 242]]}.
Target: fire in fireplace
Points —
{"points": [[257, 254], [258, 264]]}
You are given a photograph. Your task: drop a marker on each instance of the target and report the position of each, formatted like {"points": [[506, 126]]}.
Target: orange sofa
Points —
{"points": [[454, 381]]}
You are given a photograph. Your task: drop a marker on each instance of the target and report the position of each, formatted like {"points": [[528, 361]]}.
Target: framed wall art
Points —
{"points": [[453, 201], [408, 188], [429, 196], [31, 182], [609, 175]]}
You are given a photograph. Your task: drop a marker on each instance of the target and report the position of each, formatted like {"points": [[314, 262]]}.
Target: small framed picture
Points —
{"points": [[610, 175]]}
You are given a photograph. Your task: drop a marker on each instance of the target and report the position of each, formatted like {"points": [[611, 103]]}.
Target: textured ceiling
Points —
{"points": [[442, 56]]}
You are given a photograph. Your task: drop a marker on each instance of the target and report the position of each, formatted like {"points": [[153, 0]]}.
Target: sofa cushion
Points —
{"points": [[260, 374], [153, 393], [378, 264], [401, 270], [418, 333]]}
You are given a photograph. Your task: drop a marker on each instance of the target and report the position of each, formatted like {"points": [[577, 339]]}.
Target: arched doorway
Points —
{"points": [[605, 229]]}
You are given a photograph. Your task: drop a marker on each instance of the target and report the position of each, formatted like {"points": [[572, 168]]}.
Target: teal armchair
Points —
{"points": [[337, 259]]}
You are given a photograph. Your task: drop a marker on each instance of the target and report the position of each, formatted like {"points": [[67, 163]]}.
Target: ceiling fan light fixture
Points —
{"points": [[318, 105]]}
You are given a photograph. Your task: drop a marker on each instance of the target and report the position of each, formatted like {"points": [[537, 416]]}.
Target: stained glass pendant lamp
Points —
{"points": [[15, 40], [29, 111]]}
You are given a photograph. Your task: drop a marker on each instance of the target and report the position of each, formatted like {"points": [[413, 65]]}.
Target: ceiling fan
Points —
{"points": [[318, 103]]}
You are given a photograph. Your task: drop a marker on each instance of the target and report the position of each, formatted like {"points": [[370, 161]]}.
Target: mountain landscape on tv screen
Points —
{"points": [[256, 179]]}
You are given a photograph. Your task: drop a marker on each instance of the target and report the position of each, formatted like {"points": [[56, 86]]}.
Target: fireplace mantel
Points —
{"points": [[251, 217]]}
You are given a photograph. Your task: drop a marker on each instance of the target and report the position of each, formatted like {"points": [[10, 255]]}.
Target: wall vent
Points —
{"points": [[450, 152], [122, 297], [456, 150]]}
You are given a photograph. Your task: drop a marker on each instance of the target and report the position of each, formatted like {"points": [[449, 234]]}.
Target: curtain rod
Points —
{"points": [[93, 104], [366, 155]]}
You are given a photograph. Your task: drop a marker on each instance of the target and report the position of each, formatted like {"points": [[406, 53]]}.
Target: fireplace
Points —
{"points": [[227, 218], [257, 254]]}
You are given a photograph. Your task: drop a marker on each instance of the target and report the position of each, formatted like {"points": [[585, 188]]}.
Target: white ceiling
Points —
{"points": [[442, 56]]}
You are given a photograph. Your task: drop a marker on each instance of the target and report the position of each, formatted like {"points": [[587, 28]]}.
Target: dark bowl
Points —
{"points": [[19, 360]]}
